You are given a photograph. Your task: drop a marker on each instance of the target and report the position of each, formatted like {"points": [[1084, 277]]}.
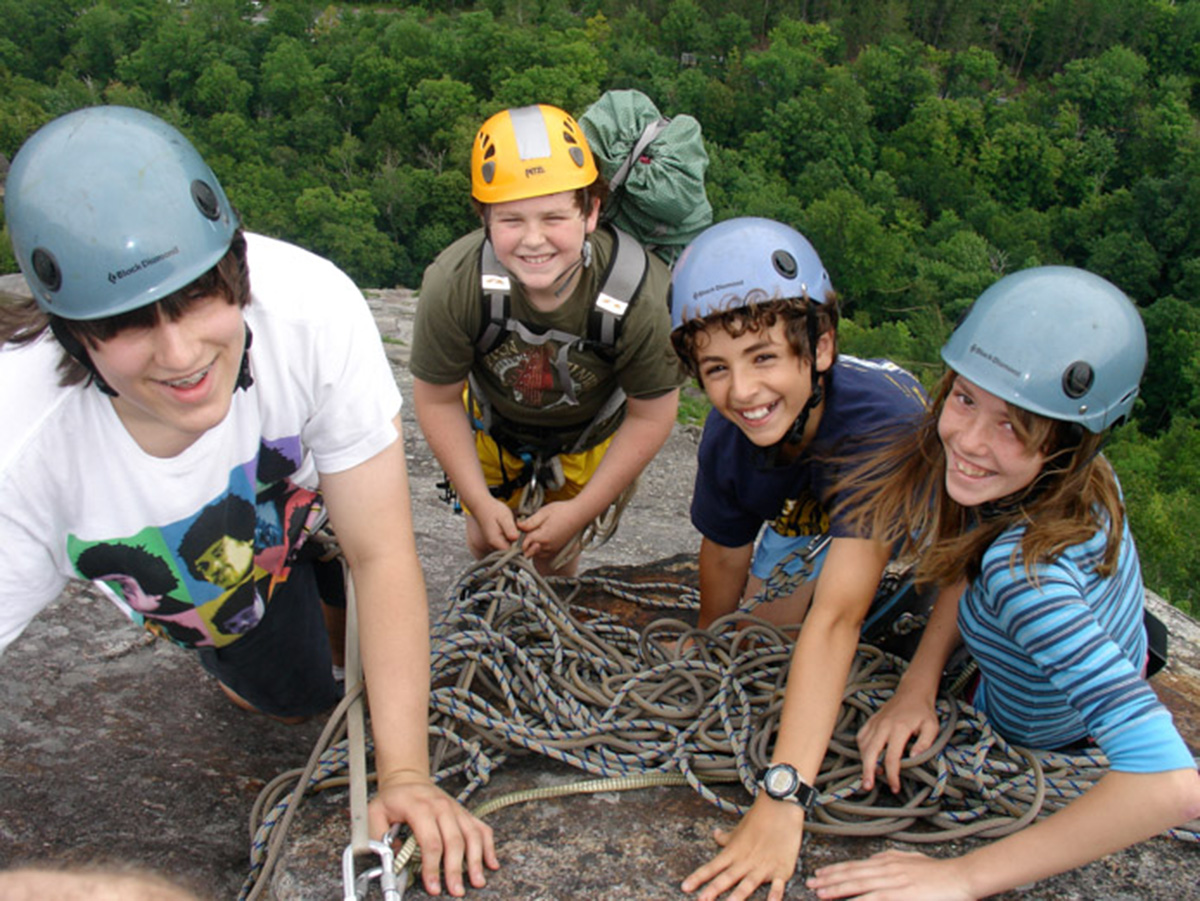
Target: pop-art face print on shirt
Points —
{"points": [[206, 579]]}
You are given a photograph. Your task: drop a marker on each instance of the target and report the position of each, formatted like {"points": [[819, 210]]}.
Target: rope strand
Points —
{"points": [[516, 668]]}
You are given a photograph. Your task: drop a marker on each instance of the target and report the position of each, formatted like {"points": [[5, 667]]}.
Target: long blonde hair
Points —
{"points": [[898, 495]]}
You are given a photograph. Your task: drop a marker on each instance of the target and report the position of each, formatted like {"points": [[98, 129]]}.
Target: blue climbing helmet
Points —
{"points": [[110, 209], [1057, 341], [731, 259], [751, 260]]}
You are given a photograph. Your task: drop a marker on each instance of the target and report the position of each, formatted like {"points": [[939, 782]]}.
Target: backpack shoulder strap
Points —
{"points": [[618, 288], [645, 139], [496, 287]]}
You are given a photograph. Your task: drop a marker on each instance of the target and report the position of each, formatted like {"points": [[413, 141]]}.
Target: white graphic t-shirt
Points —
{"points": [[192, 546]]}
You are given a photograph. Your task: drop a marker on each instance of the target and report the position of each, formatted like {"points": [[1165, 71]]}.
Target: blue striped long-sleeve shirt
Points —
{"points": [[1062, 658]]}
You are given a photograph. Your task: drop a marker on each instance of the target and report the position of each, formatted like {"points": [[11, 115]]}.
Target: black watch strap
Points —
{"points": [[781, 782]]}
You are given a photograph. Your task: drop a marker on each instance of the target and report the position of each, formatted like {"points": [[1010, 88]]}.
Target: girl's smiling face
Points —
{"points": [[986, 458]]}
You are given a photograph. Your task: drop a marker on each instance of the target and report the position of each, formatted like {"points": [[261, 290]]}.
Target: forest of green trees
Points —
{"points": [[926, 147]]}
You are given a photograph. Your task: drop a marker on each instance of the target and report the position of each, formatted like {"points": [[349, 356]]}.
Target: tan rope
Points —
{"points": [[522, 664], [593, 535]]}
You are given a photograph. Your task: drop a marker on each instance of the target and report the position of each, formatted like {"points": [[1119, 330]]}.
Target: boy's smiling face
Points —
{"points": [[539, 239], [757, 380], [175, 380]]}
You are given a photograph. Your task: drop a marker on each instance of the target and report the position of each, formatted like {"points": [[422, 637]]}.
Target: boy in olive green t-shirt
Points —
{"points": [[543, 389]]}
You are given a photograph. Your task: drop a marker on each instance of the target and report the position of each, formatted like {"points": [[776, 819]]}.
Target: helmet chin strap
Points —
{"points": [[78, 352], [245, 378], [584, 261]]}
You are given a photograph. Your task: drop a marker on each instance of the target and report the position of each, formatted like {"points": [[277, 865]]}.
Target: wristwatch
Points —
{"points": [[781, 782]]}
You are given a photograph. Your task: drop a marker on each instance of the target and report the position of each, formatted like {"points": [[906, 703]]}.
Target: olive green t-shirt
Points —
{"points": [[520, 379]]}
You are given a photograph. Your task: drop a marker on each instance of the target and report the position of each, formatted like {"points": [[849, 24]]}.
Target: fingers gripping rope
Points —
{"points": [[548, 476], [523, 664]]}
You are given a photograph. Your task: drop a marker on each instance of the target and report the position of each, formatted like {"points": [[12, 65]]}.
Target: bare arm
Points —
{"points": [[723, 573], [765, 845], [825, 650], [911, 709], [1121, 810], [369, 507], [444, 423]]}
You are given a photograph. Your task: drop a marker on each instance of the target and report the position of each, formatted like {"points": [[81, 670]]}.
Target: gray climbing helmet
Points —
{"points": [[111, 209], [1057, 341], [729, 260]]}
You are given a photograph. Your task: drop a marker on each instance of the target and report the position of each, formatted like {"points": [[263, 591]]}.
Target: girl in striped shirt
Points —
{"points": [[1005, 501]]}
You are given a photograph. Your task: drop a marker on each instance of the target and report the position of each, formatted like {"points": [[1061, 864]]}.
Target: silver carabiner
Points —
{"points": [[815, 546], [357, 887]]}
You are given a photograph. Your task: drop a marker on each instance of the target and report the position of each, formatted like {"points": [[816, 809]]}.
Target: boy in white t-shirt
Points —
{"points": [[175, 428]]}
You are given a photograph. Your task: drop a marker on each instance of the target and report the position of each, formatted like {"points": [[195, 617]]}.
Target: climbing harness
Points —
{"points": [[618, 290], [523, 664], [538, 477], [541, 474]]}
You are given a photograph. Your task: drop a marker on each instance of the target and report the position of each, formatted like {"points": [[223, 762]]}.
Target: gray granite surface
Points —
{"points": [[114, 748]]}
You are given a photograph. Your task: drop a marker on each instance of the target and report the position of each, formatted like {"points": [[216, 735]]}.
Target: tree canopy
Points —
{"points": [[926, 147]]}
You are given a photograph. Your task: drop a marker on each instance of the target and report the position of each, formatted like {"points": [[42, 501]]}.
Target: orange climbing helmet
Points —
{"points": [[530, 151]]}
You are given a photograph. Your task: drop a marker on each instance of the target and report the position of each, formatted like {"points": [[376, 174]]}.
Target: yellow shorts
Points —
{"points": [[497, 463]]}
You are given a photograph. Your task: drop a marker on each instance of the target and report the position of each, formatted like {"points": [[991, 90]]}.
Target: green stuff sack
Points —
{"points": [[654, 167]]}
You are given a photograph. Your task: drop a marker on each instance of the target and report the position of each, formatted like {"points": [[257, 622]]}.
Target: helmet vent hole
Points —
{"points": [[206, 200], [45, 267], [488, 171], [1077, 379], [784, 263], [577, 157], [489, 151]]}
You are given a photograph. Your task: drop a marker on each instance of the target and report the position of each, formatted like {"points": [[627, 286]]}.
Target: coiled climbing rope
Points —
{"points": [[525, 665]]}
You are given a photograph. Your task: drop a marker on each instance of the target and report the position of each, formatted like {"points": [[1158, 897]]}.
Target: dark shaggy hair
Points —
{"points": [[22, 322]]}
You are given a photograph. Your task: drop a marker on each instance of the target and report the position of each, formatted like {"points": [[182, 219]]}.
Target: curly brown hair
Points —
{"points": [[756, 312]]}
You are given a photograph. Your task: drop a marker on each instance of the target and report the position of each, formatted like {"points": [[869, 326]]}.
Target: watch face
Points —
{"points": [[781, 780]]}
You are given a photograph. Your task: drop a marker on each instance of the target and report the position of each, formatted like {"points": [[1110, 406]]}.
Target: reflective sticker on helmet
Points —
{"points": [[533, 138]]}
